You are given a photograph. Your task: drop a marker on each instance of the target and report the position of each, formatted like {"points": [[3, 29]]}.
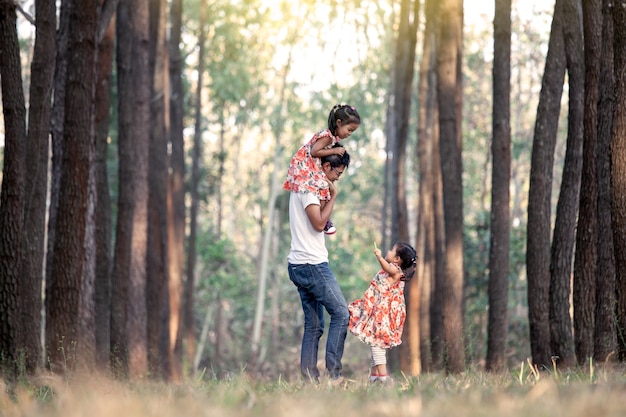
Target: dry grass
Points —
{"points": [[520, 393]]}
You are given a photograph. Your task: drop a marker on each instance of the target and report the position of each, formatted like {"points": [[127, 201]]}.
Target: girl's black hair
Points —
{"points": [[343, 112], [408, 259]]}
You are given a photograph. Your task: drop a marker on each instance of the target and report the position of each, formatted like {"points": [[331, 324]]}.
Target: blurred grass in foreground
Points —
{"points": [[525, 392]]}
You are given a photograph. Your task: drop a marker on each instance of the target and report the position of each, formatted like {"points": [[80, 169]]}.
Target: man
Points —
{"points": [[316, 283]]}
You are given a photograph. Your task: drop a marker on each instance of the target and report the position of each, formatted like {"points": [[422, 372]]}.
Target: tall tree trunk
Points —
{"points": [[63, 295], [562, 342], [405, 69], [36, 192], [136, 320], [539, 194], [585, 261], [605, 343], [58, 117], [12, 194], [160, 341], [176, 190], [425, 246], [451, 167], [500, 194], [404, 62], [618, 174], [126, 202], [195, 183], [104, 68]]}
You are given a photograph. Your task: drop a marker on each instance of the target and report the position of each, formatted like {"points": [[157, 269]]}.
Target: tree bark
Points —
{"points": [[605, 343], [539, 195], [562, 341], [12, 192], [451, 168], [136, 320], [195, 183], [160, 339], [63, 294], [618, 173], [425, 246], [585, 261], [500, 194], [103, 208], [38, 157], [176, 191]]}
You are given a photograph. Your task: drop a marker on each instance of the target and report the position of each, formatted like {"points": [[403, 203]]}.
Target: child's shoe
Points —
{"points": [[329, 229]]}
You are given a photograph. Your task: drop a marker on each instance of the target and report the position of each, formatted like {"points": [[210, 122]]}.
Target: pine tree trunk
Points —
{"points": [[585, 262], [104, 68], [539, 195], [38, 157], [63, 291], [500, 194], [605, 343], [451, 168], [12, 199], [176, 190], [618, 174]]}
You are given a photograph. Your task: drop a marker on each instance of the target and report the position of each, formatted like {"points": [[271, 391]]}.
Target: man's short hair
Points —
{"points": [[337, 160]]}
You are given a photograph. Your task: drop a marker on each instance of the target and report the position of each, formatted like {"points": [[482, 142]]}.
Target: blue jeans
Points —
{"points": [[318, 289]]}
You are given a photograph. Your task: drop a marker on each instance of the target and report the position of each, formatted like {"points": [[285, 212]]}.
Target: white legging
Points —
{"points": [[379, 355]]}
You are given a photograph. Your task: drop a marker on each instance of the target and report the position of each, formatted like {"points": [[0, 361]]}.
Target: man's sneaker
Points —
{"points": [[329, 229]]}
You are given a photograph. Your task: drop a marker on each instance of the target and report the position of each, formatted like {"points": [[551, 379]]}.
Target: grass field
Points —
{"points": [[524, 392]]}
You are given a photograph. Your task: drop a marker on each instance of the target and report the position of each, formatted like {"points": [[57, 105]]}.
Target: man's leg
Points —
{"points": [[330, 296], [301, 276]]}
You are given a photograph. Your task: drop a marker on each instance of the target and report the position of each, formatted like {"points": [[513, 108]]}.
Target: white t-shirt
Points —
{"points": [[308, 246]]}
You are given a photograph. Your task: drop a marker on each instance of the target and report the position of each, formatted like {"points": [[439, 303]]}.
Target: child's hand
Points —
{"points": [[340, 150], [377, 252], [331, 188]]}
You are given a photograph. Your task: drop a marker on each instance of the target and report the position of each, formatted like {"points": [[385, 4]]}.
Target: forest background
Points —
{"points": [[198, 106]]}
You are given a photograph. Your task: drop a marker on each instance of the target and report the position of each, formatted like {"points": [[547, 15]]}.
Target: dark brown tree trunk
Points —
{"points": [[126, 202], [500, 194], [12, 194], [157, 297], [451, 168], [437, 337], [585, 264], [58, 117], [605, 344], [618, 174], [136, 320], [38, 157], [176, 192], [562, 341], [103, 208], [425, 246], [63, 294], [539, 195], [404, 63]]}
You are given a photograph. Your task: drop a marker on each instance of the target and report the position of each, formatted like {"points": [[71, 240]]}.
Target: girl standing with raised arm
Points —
{"points": [[378, 317], [305, 173]]}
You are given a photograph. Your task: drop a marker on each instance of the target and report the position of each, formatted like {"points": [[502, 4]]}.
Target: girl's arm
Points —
{"points": [[318, 151], [393, 271]]}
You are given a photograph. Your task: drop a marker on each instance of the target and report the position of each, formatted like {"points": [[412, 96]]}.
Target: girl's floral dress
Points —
{"points": [[378, 317], [305, 173]]}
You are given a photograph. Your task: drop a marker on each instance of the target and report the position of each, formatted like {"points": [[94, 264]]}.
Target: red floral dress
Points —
{"points": [[305, 173], [378, 317]]}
